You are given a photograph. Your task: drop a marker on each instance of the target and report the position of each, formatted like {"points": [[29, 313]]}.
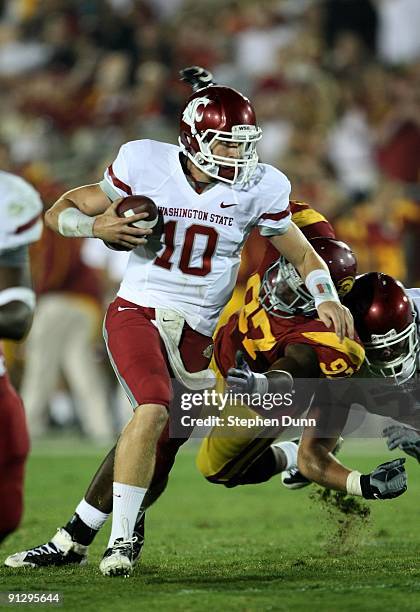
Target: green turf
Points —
{"points": [[209, 548]]}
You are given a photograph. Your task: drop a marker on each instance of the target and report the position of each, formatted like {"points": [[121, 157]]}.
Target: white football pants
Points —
{"points": [[61, 341]]}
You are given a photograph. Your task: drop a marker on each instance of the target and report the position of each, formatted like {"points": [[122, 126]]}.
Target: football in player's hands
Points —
{"points": [[133, 205]]}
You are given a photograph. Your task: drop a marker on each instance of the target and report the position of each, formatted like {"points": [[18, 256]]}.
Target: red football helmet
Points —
{"points": [[283, 291], [384, 318], [217, 114]]}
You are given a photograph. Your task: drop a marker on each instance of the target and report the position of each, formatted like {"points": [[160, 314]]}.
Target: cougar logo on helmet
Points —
{"points": [[192, 114]]}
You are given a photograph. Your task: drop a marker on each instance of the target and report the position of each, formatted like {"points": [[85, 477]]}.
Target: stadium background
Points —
{"points": [[336, 85]]}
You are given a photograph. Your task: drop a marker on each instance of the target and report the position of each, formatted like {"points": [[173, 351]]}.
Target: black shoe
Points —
{"points": [[61, 550], [294, 479]]}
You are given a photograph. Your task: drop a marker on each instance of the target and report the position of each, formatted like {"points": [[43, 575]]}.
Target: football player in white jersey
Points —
{"points": [[212, 191], [20, 224]]}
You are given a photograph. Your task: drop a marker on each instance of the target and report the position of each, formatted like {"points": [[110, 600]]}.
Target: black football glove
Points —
{"points": [[197, 77], [240, 379], [405, 438], [387, 481]]}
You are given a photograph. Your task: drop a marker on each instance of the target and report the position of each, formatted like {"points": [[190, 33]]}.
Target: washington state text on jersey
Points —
{"points": [[194, 213]]}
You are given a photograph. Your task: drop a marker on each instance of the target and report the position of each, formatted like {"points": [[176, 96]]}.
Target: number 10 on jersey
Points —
{"points": [[164, 260]]}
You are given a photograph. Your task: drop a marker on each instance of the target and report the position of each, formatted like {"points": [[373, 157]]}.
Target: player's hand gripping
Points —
{"points": [[387, 481], [405, 438], [240, 379], [339, 316], [110, 227]]}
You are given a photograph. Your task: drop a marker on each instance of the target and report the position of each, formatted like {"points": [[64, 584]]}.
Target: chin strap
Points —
{"points": [[170, 325]]}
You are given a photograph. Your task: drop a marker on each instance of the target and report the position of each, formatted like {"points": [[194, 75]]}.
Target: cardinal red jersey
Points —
{"points": [[263, 337]]}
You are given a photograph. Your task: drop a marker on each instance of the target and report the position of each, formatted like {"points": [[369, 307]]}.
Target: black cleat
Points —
{"points": [[61, 550], [294, 479]]}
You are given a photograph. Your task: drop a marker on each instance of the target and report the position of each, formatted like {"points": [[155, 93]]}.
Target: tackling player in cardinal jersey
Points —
{"points": [[387, 319], [212, 192], [276, 330], [20, 225], [271, 343]]}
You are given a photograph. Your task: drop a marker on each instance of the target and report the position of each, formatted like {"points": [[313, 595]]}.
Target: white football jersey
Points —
{"points": [[20, 212], [195, 271]]}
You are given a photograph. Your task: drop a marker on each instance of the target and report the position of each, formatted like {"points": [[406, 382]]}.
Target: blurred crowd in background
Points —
{"points": [[335, 83]]}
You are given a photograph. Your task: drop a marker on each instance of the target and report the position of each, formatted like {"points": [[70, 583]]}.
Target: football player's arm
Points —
{"points": [[299, 360], [17, 301], [315, 458], [317, 463], [314, 271], [87, 212], [405, 438]]}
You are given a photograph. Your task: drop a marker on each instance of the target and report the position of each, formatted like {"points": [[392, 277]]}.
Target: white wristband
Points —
{"points": [[353, 483], [319, 284], [18, 294], [72, 222], [260, 383]]}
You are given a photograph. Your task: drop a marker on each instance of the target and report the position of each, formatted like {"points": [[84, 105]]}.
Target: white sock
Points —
{"points": [[127, 500], [90, 515], [290, 450]]}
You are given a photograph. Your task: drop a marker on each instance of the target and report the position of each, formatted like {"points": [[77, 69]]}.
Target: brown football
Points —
{"points": [[133, 205]]}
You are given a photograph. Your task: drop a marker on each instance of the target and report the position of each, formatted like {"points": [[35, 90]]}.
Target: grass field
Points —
{"points": [[209, 548]]}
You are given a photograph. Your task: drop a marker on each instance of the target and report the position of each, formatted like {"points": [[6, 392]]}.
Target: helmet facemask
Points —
{"points": [[227, 169], [394, 354], [283, 293]]}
